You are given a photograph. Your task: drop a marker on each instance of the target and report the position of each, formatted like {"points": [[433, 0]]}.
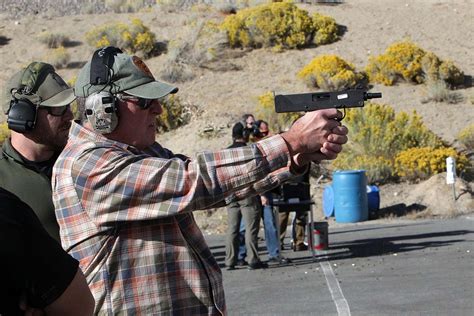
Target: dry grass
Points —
{"points": [[438, 91]]}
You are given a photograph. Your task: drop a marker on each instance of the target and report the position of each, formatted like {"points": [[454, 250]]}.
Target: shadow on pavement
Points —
{"points": [[362, 247], [396, 244]]}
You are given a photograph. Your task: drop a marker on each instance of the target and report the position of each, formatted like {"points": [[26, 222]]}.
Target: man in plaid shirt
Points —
{"points": [[124, 203]]}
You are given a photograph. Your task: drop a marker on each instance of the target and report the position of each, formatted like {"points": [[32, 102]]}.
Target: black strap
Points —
{"points": [[102, 62]]}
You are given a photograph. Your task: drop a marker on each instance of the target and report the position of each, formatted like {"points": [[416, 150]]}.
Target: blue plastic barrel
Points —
{"points": [[373, 198], [328, 201], [373, 201], [350, 196]]}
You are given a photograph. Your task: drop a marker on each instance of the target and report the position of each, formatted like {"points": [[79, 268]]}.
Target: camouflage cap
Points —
{"points": [[40, 84], [129, 74]]}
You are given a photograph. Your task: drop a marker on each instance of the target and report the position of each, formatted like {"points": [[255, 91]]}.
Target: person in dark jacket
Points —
{"points": [[38, 111]]}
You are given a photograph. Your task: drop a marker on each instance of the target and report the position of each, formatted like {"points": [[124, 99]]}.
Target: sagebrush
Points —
{"points": [[466, 137], [135, 38], [423, 162], [331, 72], [406, 61], [176, 113], [278, 24]]}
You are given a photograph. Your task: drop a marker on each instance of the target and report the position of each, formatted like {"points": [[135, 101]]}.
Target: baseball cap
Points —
{"points": [[129, 75], [40, 84]]}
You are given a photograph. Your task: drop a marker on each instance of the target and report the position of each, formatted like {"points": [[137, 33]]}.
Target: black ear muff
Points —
{"points": [[23, 110], [21, 115]]}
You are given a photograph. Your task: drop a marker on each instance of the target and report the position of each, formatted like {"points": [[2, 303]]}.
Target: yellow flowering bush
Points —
{"points": [[466, 137], [4, 132], [330, 72], [134, 38], [265, 110], [175, 114], [326, 29], [377, 135], [422, 162], [406, 61], [277, 24]]}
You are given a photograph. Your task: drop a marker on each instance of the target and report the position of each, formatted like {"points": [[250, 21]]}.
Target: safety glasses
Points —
{"points": [[141, 102], [57, 110]]}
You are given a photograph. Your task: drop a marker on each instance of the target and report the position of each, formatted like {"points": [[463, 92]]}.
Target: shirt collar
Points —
{"points": [[81, 133], [9, 151]]}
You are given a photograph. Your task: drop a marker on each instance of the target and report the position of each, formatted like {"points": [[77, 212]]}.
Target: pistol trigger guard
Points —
{"points": [[343, 115]]}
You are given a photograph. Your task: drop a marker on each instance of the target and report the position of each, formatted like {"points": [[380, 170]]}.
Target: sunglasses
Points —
{"points": [[57, 110], [141, 102]]}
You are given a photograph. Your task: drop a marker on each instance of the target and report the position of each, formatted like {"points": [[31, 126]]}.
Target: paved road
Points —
{"points": [[401, 268]]}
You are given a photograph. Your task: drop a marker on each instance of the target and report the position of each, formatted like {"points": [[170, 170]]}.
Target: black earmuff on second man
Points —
{"points": [[21, 115], [101, 107], [22, 111]]}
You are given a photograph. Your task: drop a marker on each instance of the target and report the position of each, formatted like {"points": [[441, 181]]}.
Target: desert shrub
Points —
{"points": [[466, 137], [203, 44], [277, 24], [4, 132], [136, 38], [406, 61], [175, 114], [53, 40], [330, 72], [125, 6], [326, 29], [421, 163], [377, 135], [438, 91], [59, 57], [265, 110], [451, 74], [400, 60]]}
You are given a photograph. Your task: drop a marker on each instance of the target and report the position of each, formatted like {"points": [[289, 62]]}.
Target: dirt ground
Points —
{"points": [[445, 27]]}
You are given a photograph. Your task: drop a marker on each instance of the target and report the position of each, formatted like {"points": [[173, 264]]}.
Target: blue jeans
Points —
{"points": [[242, 250], [271, 234]]}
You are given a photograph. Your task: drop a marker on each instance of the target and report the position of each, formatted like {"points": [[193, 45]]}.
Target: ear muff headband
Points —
{"points": [[101, 65]]}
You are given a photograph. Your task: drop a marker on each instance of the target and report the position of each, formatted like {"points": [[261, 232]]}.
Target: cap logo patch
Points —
{"points": [[142, 66]]}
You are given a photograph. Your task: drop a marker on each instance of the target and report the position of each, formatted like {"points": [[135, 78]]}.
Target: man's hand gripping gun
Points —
{"points": [[323, 100]]}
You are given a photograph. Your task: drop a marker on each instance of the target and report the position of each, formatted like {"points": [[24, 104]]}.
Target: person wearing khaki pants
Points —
{"points": [[248, 210]]}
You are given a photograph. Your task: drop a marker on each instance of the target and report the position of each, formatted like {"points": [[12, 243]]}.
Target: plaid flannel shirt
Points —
{"points": [[125, 214]]}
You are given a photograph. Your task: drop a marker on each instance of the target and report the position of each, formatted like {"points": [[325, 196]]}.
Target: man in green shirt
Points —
{"points": [[37, 104]]}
